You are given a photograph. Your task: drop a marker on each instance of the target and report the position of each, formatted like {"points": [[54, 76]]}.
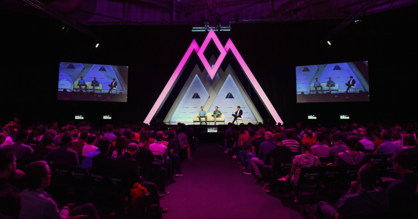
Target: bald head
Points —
{"points": [[268, 135]]}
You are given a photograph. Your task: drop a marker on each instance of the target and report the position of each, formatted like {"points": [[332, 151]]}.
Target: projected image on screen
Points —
{"points": [[92, 82], [336, 82]]}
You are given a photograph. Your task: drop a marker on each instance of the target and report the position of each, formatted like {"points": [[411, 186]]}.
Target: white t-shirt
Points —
{"points": [[87, 149]]}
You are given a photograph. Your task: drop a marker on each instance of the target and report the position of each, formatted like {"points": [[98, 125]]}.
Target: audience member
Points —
{"points": [[320, 149], [254, 150], [22, 151], [247, 148], [278, 155], [102, 162], [57, 138], [401, 193], [8, 140], [89, 147], [157, 148], [368, 145], [35, 201], [265, 148], [120, 146], [174, 153], [73, 132], [362, 199], [9, 194], [397, 141], [338, 145], [376, 139], [309, 138], [77, 145], [184, 143], [63, 154], [290, 142], [351, 157], [43, 149], [387, 147], [409, 143], [306, 159], [109, 134]]}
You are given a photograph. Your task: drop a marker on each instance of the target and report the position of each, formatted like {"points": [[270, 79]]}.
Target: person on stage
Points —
{"points": [[237, 114], [216, 114], [330, 84], [350, 83], [317, 84], [94, 84], [112, 85], [81, 83], [202, 114]]}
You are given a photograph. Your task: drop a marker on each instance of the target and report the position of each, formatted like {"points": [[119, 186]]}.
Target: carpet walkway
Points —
{"points": [[213, 186]]}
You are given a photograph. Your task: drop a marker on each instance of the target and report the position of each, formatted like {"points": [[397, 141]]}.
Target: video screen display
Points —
{"points": [[212, 129], [312, 117], [344, 116], [107, 117], [79, 117], [336, 82], [92, 82]]}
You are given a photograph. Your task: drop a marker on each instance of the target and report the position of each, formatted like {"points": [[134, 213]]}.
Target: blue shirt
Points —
{"points": [[202, 112], [387, 147], [317, 83], [81, 81], [88, 160]]}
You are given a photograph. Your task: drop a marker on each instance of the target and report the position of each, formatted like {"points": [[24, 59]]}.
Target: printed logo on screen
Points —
{"points": [[337, 67], [71, 66], [102, 69], [229, 96], [196, 96], [305, 69]]}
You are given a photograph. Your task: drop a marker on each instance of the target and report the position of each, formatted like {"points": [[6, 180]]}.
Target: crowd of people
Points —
{"points": [[145, 158], [262, 151]]}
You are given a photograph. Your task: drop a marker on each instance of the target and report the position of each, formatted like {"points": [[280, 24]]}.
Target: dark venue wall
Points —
{"points": [[32, 48]]}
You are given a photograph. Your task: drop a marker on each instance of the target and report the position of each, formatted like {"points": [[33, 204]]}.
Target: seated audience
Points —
{"points": [[22, 151], [77, 145], [157, 148], [409, 143], [247, 148], [127, 167], [43, 149], [368, 145], [259, 138], [290, 142], [351, 157], [362, 199], [35, 202], [265, 148], [89, 147], [102, 162], [63, 154], [306, 159], [320, 149], [376, 139], [387, 147], [9, 194], [397, 141], [309, 138], [109, 134], [338, 145], [401, 193], [73, 132], [120, 146], [277, 156], [57, 138]]}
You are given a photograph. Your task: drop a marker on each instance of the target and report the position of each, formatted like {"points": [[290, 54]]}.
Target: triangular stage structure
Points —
{"points": [[211, 70]]}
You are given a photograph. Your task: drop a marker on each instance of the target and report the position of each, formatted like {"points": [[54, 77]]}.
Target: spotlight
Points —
{"points": [[63, 27], [358, 21], [97, 45], [329, 42]]}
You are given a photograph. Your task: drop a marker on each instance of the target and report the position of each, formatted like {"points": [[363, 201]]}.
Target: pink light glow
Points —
{"points": [[212, 72], [230, 46], [171, 81], [212, 36]]}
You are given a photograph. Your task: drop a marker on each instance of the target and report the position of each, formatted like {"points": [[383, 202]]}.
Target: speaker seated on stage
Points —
{"points": [[113, 84], [350, 83], [94, 83], [202, 114], [81, 83], [238, 114], [216, 114], [330, 84]]}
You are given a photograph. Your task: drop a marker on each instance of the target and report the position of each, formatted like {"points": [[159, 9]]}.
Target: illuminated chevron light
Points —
{"points": [[212, 72]]}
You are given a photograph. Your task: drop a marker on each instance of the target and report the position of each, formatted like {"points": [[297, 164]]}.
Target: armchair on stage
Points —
{"points": [[211, 118], [324, 88], [89, 87]]}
